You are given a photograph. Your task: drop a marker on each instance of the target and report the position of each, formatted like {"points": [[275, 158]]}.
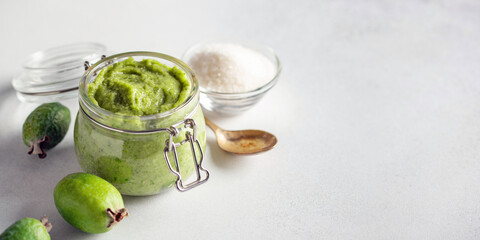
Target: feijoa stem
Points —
{"points": [[117, 216], [36, 147], [44, 221]]}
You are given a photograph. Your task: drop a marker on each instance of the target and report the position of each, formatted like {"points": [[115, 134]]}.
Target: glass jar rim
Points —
{"points": [[90, 73]]}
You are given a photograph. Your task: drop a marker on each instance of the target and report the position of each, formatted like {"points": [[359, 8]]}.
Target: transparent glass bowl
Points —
{"points": [[236, 103]]}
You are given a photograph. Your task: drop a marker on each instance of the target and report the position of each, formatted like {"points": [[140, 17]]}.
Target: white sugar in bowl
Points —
{"points": [[233, 76]]}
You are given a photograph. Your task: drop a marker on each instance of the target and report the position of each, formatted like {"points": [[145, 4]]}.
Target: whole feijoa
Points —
{"points": [[89, 203], [28, 228], [45, 127]]}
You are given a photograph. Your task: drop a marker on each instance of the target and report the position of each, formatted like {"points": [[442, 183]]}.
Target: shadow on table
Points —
{"points": [[221, 158]]}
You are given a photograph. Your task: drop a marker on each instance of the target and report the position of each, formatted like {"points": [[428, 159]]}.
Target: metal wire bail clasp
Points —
{"points": [[192, 139]]}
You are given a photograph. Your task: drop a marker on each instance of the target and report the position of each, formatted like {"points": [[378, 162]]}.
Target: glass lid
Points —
{"points": [[54, 74]]}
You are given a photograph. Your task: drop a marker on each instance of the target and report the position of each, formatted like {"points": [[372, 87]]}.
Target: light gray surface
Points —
{"points": [[377, 113]]}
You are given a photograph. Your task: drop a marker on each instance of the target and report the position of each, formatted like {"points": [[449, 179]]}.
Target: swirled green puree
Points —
{"points": [[139, 88]]}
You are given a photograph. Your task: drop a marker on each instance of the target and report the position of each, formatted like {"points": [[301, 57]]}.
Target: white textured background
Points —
{"points": [[377, 113]]}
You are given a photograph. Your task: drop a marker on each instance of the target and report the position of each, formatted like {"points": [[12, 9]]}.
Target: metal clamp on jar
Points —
{"points": [[192, 139]]}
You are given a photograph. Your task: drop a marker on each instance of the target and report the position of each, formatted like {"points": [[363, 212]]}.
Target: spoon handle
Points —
{"points": [[211, 124]]}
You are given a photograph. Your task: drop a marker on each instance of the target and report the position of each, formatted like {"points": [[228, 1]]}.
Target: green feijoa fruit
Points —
{"points": [[89, 203], [28, 228], [45, 127]]}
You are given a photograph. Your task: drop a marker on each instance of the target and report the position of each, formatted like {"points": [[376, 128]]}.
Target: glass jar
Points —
{"points": [[141, 155]]}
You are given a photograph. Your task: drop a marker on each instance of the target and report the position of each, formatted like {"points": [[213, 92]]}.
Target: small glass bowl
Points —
{"points": [[236, 103]]}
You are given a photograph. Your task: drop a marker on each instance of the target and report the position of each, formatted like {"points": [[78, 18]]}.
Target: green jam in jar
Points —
{"points": [[140, 88], [140, 96]]}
